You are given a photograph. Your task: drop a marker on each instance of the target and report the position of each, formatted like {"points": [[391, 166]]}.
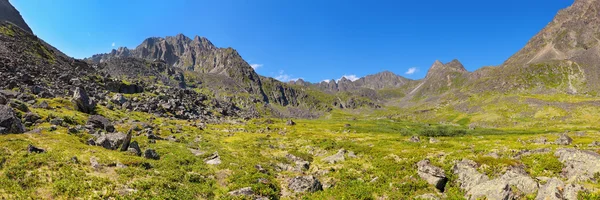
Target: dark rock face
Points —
{"points": [[305, 184], [112, 141], [9, 123], [151, 154], [82, 101], [134, 148], [10, 14], [33, 149], [99, 122]]}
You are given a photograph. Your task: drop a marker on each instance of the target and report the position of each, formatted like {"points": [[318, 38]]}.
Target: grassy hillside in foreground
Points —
{"points": [[384, 166]]}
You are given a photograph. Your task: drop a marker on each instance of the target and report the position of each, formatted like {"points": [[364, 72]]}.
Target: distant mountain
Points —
{"points": [[441, 78], [10, 14], [198, 55], [382, 80]]}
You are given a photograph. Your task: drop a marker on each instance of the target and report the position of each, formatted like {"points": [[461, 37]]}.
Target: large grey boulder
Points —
{"points": [[82, 101], [100, 122], [579, 165], [9, 122], [518, 178], [468, 176], [477, 185], [112, 141], [305, 184], [338, 157], [433, 175]]}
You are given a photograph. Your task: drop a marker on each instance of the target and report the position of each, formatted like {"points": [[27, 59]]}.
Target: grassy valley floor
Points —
{"points": [[379, 161]]}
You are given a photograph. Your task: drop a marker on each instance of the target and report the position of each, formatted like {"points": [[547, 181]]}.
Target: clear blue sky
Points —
{"points": [[311, 39]]}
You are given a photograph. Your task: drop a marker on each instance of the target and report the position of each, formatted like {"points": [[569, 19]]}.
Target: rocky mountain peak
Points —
{"points": [[11, 14]]}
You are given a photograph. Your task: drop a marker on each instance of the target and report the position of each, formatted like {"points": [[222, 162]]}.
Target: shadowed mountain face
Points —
{"points": [[9, 13]]}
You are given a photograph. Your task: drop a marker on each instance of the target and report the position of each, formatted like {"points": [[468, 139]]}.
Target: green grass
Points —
{"points": [[385, 166]]}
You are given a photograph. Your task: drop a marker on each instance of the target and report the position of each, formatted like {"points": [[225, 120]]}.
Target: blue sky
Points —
{"points": [[309, 39]]}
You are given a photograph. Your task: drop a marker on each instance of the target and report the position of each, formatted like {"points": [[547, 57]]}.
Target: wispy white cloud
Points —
{"points": [[283, 77], [256, 66], [351, 77], [411, 70], [326, 80], [113, 44]]}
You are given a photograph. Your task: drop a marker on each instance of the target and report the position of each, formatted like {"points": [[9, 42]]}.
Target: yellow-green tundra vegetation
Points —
{"points": [[380, 162]]}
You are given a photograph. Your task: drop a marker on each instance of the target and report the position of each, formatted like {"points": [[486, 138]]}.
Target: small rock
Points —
{"points": [[305, 184], [119, 99], [415, 139], [75, 160], [594, 144], [94, 163], [151, 154], [261, 169], [433, 140], [33, 149], [290, 123], [99, 122], [247, 191], [564, 139], [428, 196], [112, 141], [432, 174], [338, 157], [196, 152], [351, 154], [213, 159], [82, 101]]}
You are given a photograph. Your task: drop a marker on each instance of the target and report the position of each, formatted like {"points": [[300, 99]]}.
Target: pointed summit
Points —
{"points": [[12, 15]]}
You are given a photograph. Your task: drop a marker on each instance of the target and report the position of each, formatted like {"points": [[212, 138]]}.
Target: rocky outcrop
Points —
{"points": [[508, 186], [9, 123], [579, 165]]}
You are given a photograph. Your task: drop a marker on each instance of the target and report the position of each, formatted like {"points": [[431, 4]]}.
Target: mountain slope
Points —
{"points": [[198, 55], [562, 58]]}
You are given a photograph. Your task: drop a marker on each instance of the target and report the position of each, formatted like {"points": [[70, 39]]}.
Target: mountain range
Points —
{"points": [[561, 59]]}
